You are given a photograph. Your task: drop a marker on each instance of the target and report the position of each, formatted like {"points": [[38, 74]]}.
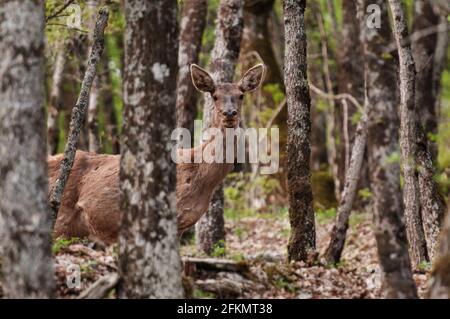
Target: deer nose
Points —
{"points": [[229, 113]]}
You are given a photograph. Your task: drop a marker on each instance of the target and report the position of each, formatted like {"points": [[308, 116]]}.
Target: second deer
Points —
{"points": [[90, 203]]}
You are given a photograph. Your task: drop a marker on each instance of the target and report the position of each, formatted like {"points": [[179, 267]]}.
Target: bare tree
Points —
{"points": [[302, 242], [193, 21], [382, 146], [24, 215], [149, 261], [210, 228], [408, 136]]}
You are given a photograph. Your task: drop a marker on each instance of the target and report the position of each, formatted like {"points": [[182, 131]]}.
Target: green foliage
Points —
{"points": [[393, 158], [323, 216], [62, 243], [356, 219], [200, 294], [219, 249], [365, 194]]}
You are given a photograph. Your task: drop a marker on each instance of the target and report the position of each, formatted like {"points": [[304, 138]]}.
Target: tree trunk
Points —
{"points": [[25, 221], [54, 104], [431, 201], [423, 51], [350, 81], [302, 242], [440, 274], [428, 56], [111, 121], [338, 234], [193, 21], [382, 145], [329, 114], [408, 137], [224, 56], [256, 40], [440, 58], [92, 121], [149, 261], [78, 114]]}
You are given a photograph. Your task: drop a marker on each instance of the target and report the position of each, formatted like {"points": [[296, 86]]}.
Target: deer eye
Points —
{"points": [[214, 98], [241, 97]]}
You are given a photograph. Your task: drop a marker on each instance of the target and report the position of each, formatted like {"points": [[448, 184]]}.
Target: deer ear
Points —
{"points": [[252, 79], [202, 79]]}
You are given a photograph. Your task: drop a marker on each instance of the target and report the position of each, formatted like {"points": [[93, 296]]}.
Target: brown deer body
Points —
{"points": [[90, 204]]}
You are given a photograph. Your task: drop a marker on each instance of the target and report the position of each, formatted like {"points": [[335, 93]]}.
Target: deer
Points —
{"points": [[90, 206]]}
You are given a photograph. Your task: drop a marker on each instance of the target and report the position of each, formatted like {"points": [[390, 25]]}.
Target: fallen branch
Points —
{"points": [[78, 113], [192, 264], [101, 287]]}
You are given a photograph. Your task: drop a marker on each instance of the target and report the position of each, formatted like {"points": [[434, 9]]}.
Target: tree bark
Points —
{"points": [[382, 145], [350, 81], [302, 242], [423, 52], [440, 58], [408, 137], [339, 232], [431, 201], [111, 120], [193, 21], [25, 239], [256, 39], [78, 114], [54, 104], [92, 121], [331, 113], [149, 261], [440, 274], [224, 56]]}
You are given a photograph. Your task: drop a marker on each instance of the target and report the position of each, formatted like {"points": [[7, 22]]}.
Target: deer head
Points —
{"points": [[227, 97]]}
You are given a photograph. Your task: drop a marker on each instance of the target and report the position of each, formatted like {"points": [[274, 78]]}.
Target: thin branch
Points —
{"points": [[79, 112], [341, 96], [59, 11], [277, 112], [442, 27]]}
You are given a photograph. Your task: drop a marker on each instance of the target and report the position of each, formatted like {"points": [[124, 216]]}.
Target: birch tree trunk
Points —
{"points": [[54, 104], [25, 222], [382, 146], [440, 274], [408, 136], [193, 21], [210, 228], [149, 261], [302, 241]]}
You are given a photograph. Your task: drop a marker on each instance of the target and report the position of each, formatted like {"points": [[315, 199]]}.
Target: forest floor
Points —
{"points": [[259, 243]]}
